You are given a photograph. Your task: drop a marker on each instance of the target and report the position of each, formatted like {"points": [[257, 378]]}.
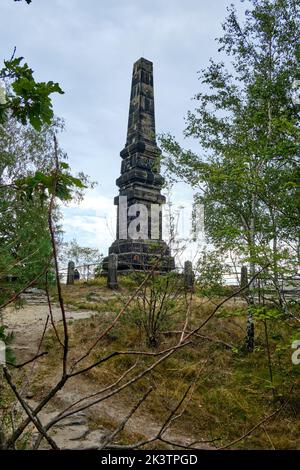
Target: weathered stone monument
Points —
{"points": [[112, 279], [70, 273], [139, 244], [189, 276]]}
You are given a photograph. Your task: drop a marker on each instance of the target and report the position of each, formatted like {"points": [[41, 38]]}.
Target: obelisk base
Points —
{"points": [[141, 255]]}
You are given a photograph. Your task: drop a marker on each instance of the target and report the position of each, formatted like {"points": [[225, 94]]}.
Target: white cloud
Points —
{"points": [[92, 222]]}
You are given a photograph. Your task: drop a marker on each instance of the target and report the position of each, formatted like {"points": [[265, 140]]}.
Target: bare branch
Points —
{"points": [[19, 366], [198, 335], [125, 420], [51, 313], [264, 420], [34, 419], [54, 251]]}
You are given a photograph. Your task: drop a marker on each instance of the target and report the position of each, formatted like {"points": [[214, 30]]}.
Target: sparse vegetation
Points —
{"points": [[232, 388]]}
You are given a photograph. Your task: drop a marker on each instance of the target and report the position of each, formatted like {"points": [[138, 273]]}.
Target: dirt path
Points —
{"points": [[82, 430]]}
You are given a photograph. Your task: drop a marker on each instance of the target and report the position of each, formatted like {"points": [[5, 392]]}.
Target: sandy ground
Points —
{"points": [[78, 431]]}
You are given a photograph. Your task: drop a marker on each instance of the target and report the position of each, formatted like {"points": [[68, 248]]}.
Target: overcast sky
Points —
{"points": [[89, 47]]}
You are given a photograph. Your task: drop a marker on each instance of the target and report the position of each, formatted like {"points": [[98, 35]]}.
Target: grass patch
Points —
{"points": [[232, 390]]}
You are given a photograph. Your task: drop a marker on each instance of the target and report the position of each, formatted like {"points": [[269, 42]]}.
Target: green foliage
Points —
{"points": [[72, 251], [156, 304], [29, 177], [210, 270], [248, 128], [25, 243], [58, 183], [27, 100], [263, 313], [259, 312]]}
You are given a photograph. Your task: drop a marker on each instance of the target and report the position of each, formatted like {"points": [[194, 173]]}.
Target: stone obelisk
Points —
{"points": [[139, 243]]}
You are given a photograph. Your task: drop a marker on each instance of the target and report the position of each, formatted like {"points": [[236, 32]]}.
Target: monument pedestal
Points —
{"points": [[141, 255]]}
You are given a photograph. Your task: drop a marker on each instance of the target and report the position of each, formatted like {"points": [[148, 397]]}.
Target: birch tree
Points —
{"points": [[247, 125]]}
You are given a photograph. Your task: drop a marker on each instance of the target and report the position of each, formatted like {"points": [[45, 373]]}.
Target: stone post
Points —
{"points": [[70, 275], [112, 280], [189, 276]]}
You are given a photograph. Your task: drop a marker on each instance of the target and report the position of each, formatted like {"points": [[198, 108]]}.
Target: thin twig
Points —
{"points": [[51, 312], [264, 420], [125, 420], [19, 366], [198, 335], [99, 392], [34, 419], [54, 251]]}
